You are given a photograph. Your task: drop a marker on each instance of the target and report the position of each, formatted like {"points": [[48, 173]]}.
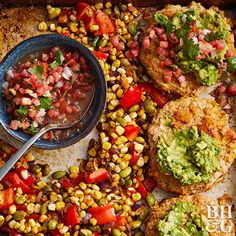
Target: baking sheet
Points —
{"points": [[17, 24]]}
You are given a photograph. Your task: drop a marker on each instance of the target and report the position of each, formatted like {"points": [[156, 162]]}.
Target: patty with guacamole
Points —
{"points": [[184, 48], [188, 216], [191, 145]]}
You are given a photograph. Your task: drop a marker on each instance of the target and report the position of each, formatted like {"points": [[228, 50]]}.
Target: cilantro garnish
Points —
{"points": [[57, 61], [164, 22], [231, 62], [32, 130], [190, 49], [38, 70], [215, 36], [22, 110], [45, 102]]}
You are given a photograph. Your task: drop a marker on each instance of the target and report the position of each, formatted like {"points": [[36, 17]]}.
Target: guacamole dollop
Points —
{"points": [[183, 219], [189, 156]]}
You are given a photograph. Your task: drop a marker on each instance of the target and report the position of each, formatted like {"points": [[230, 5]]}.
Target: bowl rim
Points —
{"points": [[88, 55]]}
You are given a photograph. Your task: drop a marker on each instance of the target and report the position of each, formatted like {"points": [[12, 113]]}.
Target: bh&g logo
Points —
{"points": [[219, 219]]}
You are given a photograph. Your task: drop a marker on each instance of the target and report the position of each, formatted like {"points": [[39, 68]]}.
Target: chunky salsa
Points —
{"points": [[50, 86], [193, 41]]}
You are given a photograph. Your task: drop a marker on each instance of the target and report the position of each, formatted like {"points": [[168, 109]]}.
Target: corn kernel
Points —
{"points": [[52, 27], [108, 5], [106, 145], [94, 28], [12, 224], [12, 209], [93, 221], [42, 26], [92, 152]]}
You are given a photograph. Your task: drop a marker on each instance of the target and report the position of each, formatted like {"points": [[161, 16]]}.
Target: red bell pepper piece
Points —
{"points": [[141, 188], [158, 96], [103, 214], [149, 184], [100, 55], [55, 232], [131, 132], [67, 183], [98, 175], [105, 23], [72, 216], [11, 232], [95, 233], [6, 198], [29, 180], [33, 216], [13, 180], [21, 207], [131, 97], [83, 11], [121, 221], [135, 155]]}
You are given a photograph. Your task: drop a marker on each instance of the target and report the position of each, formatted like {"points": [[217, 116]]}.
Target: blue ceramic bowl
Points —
{"points": [[44, 42]]}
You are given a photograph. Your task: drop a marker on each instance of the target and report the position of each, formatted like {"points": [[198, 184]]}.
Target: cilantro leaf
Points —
{"points": [[190, 50], [38, 70], [181, 33], [57, 61], [22, 110], [32, 130], [231, 62], [164, 22], [45, 102], [215, 36]]}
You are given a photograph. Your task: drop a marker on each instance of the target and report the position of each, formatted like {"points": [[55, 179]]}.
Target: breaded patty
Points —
{"points": [[185, 113], [150, 57], [200, 202]]}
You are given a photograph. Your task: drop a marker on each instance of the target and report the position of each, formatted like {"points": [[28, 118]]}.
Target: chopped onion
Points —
{"points": [[195, 40], [59, 84], [206, 31], [5, 85], [181, 79], [10, 73], [67, 73]]}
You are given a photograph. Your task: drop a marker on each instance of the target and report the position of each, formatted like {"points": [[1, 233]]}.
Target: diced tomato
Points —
{"points": [[131, 132], [29, 180], [141, 188], [218, 44], [121, 221], [149, 184], [103, 214], [158, 96], [98, 175], [63, 105], [72, 216], [100, 55], [131, 97], [105, 23], [6, 198], [13, 180], [41, 90], [229, 53]]}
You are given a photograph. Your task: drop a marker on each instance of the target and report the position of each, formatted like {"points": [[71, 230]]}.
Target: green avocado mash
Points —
{"points": [[192, 54], [189, 156], [183, 220]]}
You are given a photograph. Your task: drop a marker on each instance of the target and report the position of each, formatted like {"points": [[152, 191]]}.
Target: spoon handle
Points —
{"points": [[5, 169]]}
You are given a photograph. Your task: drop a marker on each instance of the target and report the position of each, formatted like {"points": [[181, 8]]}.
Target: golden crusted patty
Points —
{"points": [[152, 62], [200, 202], [185, 113]]}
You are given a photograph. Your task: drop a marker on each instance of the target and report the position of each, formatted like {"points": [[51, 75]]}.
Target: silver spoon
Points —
{"points": [[13, 159]]}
